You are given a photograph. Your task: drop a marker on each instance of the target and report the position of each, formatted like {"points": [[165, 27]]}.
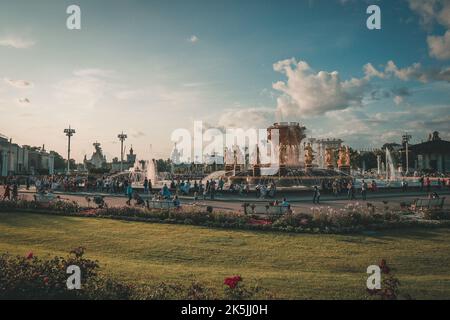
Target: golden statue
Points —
{"points": [[329, 158], [342, 161], [309, 155], [347, 156]]}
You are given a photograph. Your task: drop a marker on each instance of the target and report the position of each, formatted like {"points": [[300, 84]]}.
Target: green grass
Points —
{"points": [[292, 266]]}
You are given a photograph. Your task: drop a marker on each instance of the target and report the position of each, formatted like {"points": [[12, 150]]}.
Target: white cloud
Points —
{"points": [[406, 74], [309, 93], [425, 9], [161, 96], [93, 72], [21, 84], [247, 118], [193, 39], [16, 42], [24, 101], [398, 100], [415, 72], [370, 71], [431, 11], [136, 133], [84, 89], [439, 47]]}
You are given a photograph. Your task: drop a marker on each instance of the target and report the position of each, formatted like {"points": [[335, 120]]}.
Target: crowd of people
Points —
{"points": [[197, 188]]}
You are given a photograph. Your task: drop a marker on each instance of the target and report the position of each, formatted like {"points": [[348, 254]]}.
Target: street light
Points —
{"points": [[69, 133], [122, 138], [405, 138]]}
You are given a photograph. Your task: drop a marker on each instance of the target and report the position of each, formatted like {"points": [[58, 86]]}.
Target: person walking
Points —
{"points": [[316, 197], [7, 192], [129, 192]]}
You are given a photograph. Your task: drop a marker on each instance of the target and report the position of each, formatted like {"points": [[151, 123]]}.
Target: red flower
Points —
{"points": [[46, 280], [30, 255], [384, 267], [232, 282]]}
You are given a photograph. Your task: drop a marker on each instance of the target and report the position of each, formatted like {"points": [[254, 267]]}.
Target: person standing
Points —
{"points": [[212, 187], [145, 185], [349, 190], [15, 192], [335, 188], [285, 203], [316, 197], [364, 190]]}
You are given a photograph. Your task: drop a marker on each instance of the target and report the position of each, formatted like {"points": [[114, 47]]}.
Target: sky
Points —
{"points": [[149, 67]]}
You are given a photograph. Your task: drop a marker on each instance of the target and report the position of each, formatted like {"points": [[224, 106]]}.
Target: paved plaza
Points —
{"points": [[299, 202]]}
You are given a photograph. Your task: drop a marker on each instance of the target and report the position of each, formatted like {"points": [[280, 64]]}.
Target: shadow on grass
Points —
{"points": [[411, 234], [20, 219]]}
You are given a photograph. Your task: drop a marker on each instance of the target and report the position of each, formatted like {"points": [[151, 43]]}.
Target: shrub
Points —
{"points": [[28, 277], [235, 289], [32, 278], [433, 214], [389, 286]]}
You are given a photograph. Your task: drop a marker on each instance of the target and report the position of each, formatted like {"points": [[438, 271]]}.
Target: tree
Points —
{"points": [[59, 162]]}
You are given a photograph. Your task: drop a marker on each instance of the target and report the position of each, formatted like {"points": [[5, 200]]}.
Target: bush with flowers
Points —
{"points": [[389, 285], [350, 219], [29, 277], [235, 289], [58, 206]]}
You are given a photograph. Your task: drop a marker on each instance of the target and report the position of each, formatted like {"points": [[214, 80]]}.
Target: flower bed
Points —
{"points": [[350, 219]]}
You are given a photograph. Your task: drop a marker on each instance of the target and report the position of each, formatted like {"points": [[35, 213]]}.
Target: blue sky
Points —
{"points": [[149, 67]]}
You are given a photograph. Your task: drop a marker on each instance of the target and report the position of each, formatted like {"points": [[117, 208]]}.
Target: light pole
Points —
{"points": [[406, 137], [122, 138], [69, 133]]}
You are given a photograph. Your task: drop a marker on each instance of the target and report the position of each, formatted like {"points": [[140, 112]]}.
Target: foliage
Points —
{"points": [[59, 206], [352, 218], [436, 214], [28, 277], [389, 286], [32, 278], [235, 289]]}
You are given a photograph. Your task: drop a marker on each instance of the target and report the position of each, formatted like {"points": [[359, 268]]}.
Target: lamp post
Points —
{"points": [[69, 133], [406, 137], [122, 138]]}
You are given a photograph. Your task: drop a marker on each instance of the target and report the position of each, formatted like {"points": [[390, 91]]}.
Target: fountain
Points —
{"points": [[289, 172], [391, 174], [142, 169]]}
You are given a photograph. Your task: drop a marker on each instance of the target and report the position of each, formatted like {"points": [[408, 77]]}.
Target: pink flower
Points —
{"points": [[30, 255], [46, 280]]}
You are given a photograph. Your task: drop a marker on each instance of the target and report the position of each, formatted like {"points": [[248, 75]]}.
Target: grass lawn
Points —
{"points": [[289, 265]]}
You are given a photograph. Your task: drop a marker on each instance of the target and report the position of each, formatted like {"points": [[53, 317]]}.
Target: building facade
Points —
{"points": [[432, 155], [17, 160]]}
